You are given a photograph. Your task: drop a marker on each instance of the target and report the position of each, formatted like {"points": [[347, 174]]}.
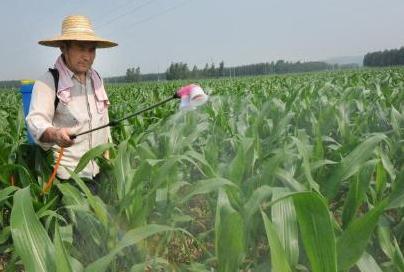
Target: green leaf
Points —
{"points": [[367, 264], [62, 257], [285, 223], [5, 234], [288, 179], [388, 165], [279, 259], [21, 170], [396, 118], [353, 241], [396, 197], [254, 202], [208, 185], [356, 194], [31, 240], [302, 148], [132, 237], [381, 180], [398, 258], [72, 196], [206, 168], [229, 235], [122, 170], [316, 231], [352, 163], [91, 155], [97, 205], [6, 192], [384, 237], [236, 168]]}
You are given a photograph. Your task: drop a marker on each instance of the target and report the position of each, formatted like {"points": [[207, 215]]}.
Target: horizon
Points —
{"points": [[330, 61], [153, 34]]}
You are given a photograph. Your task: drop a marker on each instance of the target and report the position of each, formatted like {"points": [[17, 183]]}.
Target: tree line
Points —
{"points": [[181, 70], [7, 84], [391, 57]]}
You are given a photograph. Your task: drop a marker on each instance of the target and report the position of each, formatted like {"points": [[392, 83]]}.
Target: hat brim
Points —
{"points": [[58, 41]]}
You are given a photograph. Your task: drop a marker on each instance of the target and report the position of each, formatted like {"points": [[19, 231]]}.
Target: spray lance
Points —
{"points": [[191, 96]]}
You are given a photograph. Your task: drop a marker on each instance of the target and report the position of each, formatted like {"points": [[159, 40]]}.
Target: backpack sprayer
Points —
{"points": [[191, 97]]}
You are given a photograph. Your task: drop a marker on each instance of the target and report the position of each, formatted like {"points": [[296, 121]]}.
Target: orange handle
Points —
{"points": [[55, 169]]}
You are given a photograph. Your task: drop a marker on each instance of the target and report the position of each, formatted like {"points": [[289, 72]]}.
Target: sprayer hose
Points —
{"points": [[55, 169]]}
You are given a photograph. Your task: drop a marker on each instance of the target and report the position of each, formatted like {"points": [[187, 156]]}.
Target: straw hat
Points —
{"points": [[77, 28]]}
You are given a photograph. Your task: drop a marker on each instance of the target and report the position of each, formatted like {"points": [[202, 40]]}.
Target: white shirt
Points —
{"points": [[79, 115]]}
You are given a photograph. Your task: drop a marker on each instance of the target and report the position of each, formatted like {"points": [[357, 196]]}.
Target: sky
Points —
{"points": [[154, 33]]}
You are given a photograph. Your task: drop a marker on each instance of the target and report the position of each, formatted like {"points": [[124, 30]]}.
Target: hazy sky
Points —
{"points": [[153, 33]]}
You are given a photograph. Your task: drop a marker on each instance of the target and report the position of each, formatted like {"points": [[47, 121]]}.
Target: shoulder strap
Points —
{"points": [[97, 74], [55, 74]]}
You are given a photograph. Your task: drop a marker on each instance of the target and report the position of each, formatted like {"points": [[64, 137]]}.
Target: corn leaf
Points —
{"points": [[229, 235], [6, 192], [91, 155], [398, 258], [356, 194], [279, 259], [61, 255], [285, 223], [368, 264], [208, 185], [31, 240], [132, 237], [252, 205], [316, 231], [352, 163], [353, 241], [95, 202]]}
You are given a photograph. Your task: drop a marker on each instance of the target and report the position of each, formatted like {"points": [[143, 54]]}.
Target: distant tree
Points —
{"points": [[400, 56], [280, 66], [177, 70], [130, 74], [384, 58], [137, 74], [205, 71], [195, 72], [212, 70], [6, 84], [221, 69], [133, 75]]}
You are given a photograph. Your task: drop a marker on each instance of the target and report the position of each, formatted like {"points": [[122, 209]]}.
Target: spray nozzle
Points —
{"points": [[191, 96]]}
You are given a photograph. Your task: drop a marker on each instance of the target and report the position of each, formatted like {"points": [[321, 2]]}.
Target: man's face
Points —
{"points": [[79, 56]]}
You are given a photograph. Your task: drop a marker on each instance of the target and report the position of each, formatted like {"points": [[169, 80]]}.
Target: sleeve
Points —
{"points": [[41, 111]]}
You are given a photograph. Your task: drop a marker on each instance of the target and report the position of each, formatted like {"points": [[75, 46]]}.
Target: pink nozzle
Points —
{"points": [[186, 90], [191, 96]]}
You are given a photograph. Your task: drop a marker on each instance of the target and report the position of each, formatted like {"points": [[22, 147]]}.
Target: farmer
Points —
{"points": [[78, 104]]}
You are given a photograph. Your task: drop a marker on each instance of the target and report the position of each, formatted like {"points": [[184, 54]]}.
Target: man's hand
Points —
{"points": [[60, 136]]}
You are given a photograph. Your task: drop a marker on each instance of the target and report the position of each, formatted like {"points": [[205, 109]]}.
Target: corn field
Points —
{"points": [[282, 173]]}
